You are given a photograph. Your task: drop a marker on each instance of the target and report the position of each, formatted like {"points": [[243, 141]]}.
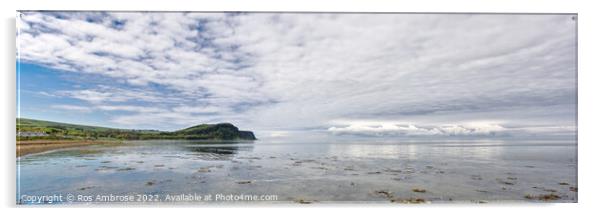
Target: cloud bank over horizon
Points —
{"points": [[345, 74]]}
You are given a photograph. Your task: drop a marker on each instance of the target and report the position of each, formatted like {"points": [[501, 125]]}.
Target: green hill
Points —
{"points": [[225, 131], [38, 129]]}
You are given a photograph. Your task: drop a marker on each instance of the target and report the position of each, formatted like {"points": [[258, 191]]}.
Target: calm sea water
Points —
{"points": [[441, 171]]}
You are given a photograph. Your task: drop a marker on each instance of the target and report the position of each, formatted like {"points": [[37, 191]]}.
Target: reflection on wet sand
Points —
{"points": [[217, 152], [312, 173]]}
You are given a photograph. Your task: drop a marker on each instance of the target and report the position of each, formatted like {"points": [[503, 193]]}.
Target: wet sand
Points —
{"points": [[304, 173], [26, 147]]}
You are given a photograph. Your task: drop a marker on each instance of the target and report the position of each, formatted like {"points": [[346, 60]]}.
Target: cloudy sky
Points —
{"points": [[280, 74]]}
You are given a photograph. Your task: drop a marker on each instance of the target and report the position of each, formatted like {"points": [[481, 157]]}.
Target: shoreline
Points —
{"points": [[26, 147]]}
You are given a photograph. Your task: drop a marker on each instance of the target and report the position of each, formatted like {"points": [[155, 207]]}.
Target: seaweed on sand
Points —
{"points": [[409, 201], [384, 193], [419, 190], [543, 197], [126, 169], [303, 201]]}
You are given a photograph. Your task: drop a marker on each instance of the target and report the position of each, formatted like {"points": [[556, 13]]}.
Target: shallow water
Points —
{"points": [[449, 171]]}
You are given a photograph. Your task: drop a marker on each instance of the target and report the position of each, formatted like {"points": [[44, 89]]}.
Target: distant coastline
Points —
{"points": [[34, 136]]}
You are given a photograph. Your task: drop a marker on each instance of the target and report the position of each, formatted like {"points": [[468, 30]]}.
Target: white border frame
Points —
{"points": [[588, 79]]}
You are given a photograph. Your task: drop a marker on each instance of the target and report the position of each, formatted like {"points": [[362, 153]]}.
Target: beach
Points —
{"points": [[301, 172], [25, 147]]}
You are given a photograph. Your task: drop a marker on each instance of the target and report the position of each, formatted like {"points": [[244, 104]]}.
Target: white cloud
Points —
{"points": [[201, 109], [294, 71], [388, 129], [104, 94], [139, 109], [71, 108]]}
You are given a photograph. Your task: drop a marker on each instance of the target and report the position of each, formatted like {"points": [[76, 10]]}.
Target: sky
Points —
{"points": [[281, 74]]}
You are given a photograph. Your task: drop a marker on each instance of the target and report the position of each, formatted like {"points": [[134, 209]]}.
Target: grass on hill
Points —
{"points": [[57, 130]]}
